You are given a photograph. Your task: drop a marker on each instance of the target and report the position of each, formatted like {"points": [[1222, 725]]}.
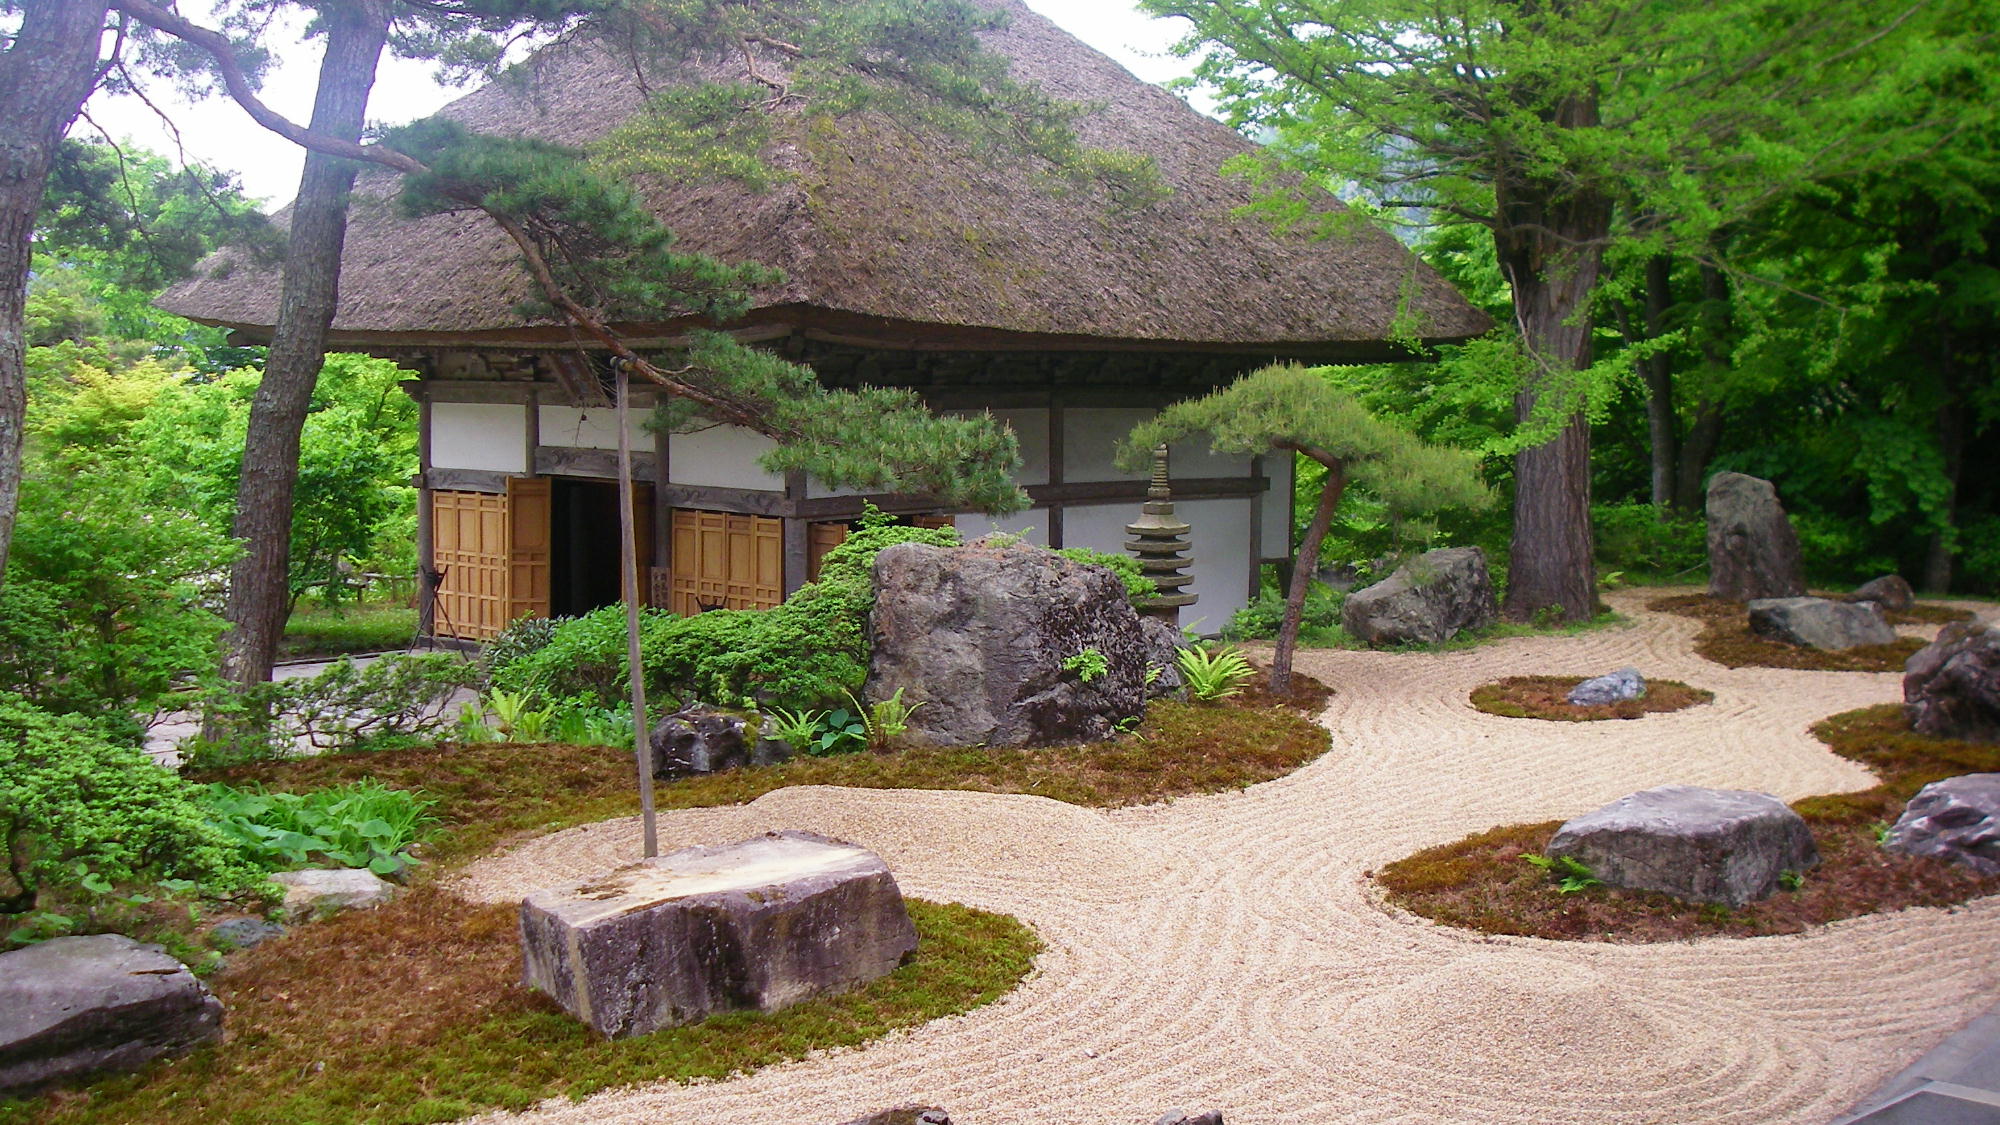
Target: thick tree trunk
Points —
{"points": [[259, 590], [1662, 421], [45, 74], [1698, 446], [1305, 567]]}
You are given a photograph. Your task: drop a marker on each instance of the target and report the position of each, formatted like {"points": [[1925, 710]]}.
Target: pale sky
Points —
{"points": [[218, 134]]}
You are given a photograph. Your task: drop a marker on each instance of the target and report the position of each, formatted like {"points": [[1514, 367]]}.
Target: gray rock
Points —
{"points": [[1614, 687], [674, 939], [245, 933], [1179, 1117], [1951, 687], [1956, 819], [1890, 592], [324, 890], [1163, 647], [696, 740], [770, 752], [977, 635], [1429, 599], [905, 1115], [1703, 845], [77, 1006], [1752, 550], [1820, 622]]}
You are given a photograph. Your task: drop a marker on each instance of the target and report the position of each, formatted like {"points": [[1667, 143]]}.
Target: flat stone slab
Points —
{"points": [[324, 890], [1703, 845], [759, 925], [72, 1007], [1820, 622]]}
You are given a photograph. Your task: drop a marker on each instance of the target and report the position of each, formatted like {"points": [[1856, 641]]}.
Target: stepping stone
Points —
{"points": [[672, 940]]}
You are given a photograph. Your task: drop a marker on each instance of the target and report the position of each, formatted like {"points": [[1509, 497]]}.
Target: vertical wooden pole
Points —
{"points": [[427, 586], [628, 557]]}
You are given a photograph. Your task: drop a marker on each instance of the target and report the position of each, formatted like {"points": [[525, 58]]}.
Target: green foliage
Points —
{"points": [[362, 824], [390, 701], [1086, 665], [1213, 675], [514, 720], [1570, 873], [1138, 587], [1260, 619], [79, 813], [797, 727], [1640, 538], [522, 638], [885, 720]]}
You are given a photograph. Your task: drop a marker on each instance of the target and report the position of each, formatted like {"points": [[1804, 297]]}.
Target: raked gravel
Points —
{"points": [[1229, 951]]}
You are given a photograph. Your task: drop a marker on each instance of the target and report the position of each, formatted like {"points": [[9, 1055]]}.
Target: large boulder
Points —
{"points": [[1703, 845], [674, 939], [1752, 550], [1891, 591], [1820, 622], [1956, 819], [75, 1006], [977, 637], [1429, 599], [905, 1115], [1951, 687], [696, 740]]}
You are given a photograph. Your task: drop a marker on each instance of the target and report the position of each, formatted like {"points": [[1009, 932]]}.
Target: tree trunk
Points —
{"points": [[1662, 422], [1304, 568], [45, 74], [1550, 238], [259, 589], [1704, 432]]}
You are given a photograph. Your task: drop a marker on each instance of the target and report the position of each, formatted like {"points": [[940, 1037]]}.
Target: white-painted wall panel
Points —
{"points": [[1221, 541], [479, 435], [722, 457], [1031, 429], [1031, 525], [1277, 505], [595, 428], [1091, 436]]}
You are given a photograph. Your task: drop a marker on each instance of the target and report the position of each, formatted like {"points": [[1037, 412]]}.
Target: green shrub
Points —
{"points": [[391, 701], [79, 812], [1211, 676], [522, 638], [1260, 619], [1636, 539], [1138, 587], [361, 824]]}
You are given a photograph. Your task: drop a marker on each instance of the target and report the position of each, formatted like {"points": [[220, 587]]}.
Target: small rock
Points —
{"points": [[1429, 599], [905, 1115], [1179, 1117], [770, 752], [76, 1006], [1956, 819], [674, 939], [1752, 550], [696, 740], [1890, 592], [316, 891], [1951, 687], [245, 933], [1703, 845], [1820, 623], [1616, 687], [1163, 648]]}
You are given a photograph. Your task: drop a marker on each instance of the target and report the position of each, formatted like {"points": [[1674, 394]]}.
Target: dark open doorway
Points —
{"points": [[583, 555]]}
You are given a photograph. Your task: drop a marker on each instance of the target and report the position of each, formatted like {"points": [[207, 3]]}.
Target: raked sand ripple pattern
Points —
{"points": [[1227, 951]]}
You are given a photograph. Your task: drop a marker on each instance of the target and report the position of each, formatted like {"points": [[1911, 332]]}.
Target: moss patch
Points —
{"points": [[1726, 638], [1547, 697], [414, 1012], [1482, 882]]}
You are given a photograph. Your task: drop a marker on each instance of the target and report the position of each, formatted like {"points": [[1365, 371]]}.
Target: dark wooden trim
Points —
{"points": [[988, 397], [663, 512], [1058, 450], [1106, 491], [531, 427], [416, 389], [426, 534], [467, 480], [747, 501], [492, 392], [798, 553], [568, 461]]}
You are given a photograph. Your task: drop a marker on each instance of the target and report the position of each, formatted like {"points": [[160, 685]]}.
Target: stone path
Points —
{"points": [[1229, 951]]}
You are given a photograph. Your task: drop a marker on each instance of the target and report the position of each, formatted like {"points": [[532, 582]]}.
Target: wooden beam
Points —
{"points": [[798, 553], [426, 533], [532, 427], [744, 501], [602, 464], [508, 393], [466, 480]]}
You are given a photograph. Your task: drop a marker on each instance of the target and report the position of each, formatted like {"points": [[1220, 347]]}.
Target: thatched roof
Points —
{"points": [[895, 244]]}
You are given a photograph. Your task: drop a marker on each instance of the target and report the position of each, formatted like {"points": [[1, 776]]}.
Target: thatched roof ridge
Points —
{"points": [[880, 237]]}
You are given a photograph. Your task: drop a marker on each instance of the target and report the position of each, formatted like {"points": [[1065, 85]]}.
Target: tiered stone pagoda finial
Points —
{"points": [[1161, 542]]}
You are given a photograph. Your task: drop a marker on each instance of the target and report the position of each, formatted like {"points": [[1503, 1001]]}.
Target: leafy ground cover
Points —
{"points": [[1726, 638], [1484, 883], [1547, 697], [489, 792], [318, 630], [414, 1012]]}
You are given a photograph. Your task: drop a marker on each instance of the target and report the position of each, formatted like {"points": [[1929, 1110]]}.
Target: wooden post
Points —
{"points": [[1057, 451], [628, 558], [798, 536], [427, 586]]}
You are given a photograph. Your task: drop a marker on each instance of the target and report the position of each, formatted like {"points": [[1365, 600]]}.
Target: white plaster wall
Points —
{"points": [[1031, 429], [1091, 436], [722, 457], [479, 435], [595, 428], [1031, 525], [1278, 505], [1221, 542]]}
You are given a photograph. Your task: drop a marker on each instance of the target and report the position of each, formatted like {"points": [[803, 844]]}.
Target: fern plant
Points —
{"points": [[1570, 873], [1214, 675]]}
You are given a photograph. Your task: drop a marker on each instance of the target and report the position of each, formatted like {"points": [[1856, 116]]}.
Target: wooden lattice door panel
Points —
{"points": [[469, 533], [821, 538], [529, 503], [726, 561]]}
